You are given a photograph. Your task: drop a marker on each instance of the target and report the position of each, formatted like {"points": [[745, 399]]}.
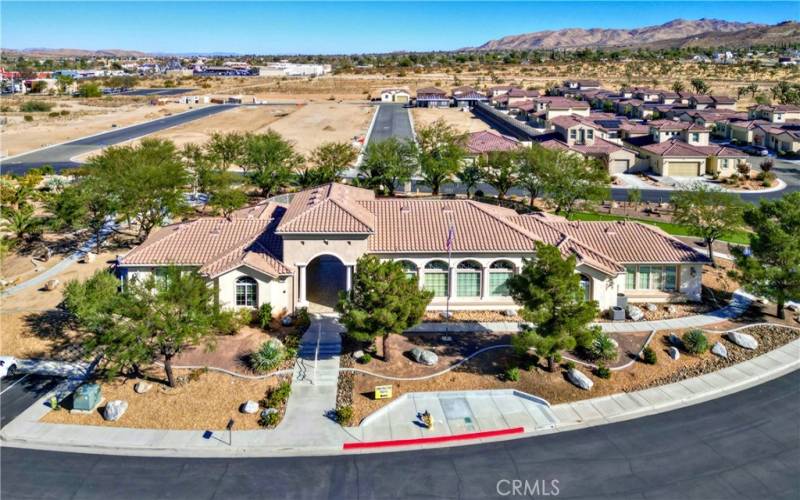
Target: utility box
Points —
{"points": [[86, 397]]}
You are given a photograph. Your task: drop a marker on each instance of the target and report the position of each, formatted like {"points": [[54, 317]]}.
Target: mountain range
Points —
{"points": [[672, 34]]}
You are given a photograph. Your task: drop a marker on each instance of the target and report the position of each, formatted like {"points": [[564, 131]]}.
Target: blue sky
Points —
{"points": [[336, 27]]}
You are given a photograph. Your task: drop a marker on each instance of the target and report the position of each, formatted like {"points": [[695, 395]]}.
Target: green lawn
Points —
{"points": [[739, 237]]}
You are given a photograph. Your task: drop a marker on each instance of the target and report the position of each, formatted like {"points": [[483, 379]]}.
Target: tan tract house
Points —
{"points": [[304, 253]]}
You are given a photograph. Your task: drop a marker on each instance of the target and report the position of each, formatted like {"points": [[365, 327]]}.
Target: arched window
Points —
{"points": [[586, 284], [468, 279], [436, 278], [499, 273], [409, 267], [246, 292]]}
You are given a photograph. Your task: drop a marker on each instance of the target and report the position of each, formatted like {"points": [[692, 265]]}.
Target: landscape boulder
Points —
{"points": [[142, 387], [651, 307], [742, 340], [635, 313], [358, 354], [719, 349], [510, 313], [287, 320], [424, 357], [88, 258], [579, 379], [446, 315], [672, 309], [249, 407], [674, 353], [51, 285], [114, 410], [674, 340]]}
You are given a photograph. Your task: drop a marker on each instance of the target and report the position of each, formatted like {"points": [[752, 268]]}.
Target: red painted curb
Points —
{"points": [[434, 439]]}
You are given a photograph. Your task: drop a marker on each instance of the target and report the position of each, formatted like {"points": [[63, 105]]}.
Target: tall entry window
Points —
{"points": [[436, 278], [586, 285], [468, 280], [246, 292], [409, 268], [499, 273]]}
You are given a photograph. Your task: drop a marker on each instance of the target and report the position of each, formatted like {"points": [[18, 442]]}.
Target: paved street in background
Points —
{"points": [[60, 156], [743, 446], [155, 92], [392, 121]]}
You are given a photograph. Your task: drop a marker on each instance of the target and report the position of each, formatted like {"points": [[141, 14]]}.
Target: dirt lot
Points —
{"points": [[205, 403], [83, 120], [462, 120], [486, 372], [320, 122]]}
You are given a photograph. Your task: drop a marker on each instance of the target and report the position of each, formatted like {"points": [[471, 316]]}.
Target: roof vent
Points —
{"points": [[447, 209], [610, 231], [404, 210]]}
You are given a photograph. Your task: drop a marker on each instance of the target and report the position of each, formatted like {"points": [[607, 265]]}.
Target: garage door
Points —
{"points": [[684, 168], [400, 98], [619, 166]]}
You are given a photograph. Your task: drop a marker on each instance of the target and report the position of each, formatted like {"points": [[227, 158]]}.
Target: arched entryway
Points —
{"points": [[326, 276]]}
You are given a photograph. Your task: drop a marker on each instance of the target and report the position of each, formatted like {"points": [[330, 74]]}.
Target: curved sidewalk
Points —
{"points": [[27, 432]]}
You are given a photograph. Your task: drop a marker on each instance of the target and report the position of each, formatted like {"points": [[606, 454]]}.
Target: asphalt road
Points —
{"points": [[155, 92], [746, 445], [59, 156], [392, 121], [17, 393]]}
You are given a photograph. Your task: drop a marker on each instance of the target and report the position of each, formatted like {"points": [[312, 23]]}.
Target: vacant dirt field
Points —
{"points": [[462, 120], [82, 120], [320, 122]]}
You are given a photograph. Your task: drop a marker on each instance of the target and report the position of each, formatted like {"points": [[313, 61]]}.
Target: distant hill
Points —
{"points": [[59, 53], [675, 33], [785, 33]]}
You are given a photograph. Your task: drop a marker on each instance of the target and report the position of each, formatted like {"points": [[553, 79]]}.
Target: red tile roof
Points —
{"points": [[487, 141]]}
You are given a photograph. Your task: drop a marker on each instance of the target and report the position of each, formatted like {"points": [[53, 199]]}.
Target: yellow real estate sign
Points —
{"points": [[383, 392]]}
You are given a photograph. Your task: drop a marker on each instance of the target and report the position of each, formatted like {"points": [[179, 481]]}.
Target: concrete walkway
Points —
{"points": [[633, 181], [57, 269], [738, 305]]}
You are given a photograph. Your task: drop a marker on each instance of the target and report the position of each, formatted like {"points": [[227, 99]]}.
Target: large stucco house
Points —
{"points": [[303, 253]]}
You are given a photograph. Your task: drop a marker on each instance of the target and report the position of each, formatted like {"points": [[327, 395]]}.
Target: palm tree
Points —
{"points": [[470, 176], [21, 222], [677, 86]]}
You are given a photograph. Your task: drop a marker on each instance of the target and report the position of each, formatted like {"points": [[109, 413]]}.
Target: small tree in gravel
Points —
{"points": [[550, 293], [383, 301], [709, 212]]}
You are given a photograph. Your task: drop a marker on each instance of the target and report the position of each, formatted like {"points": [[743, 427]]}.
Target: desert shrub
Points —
{"points": [[268, 356], [649, 356], [195, 375], [557, 357], [6, 109], [64, 112], [602, 347], [302, 319], [27, 118], [35, 107], [602, 371], [278, 396], [569, 365], [365, 359], [766, 178], [512, 374], [53, 114], [767, 165], [269, 419], [228, 323], [695, 341], [743, 168], [344, 414], [265, 315]]}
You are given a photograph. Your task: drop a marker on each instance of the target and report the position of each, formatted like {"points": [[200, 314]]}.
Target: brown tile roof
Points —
{"points": [[486, 141], [215, 245], [702, 99], [675, 149], [562, 103], [431, 90], [330, 208], [676, 125], [627, 242], [409, 226], [723, 99]]}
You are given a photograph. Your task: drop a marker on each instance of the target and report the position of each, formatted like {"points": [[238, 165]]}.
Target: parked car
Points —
{"points": [[8, 366], [756, 150]]}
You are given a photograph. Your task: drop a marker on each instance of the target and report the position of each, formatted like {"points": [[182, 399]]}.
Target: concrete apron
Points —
{"points": [[315, 434]]}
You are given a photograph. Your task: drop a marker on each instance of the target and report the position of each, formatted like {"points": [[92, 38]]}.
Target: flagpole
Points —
{"points": [[451, 233]]}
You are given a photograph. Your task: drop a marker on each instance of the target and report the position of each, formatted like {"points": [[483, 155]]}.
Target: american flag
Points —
{"points": [[451, 236]]}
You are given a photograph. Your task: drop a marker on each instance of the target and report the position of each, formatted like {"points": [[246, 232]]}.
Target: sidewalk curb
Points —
{"points": [[651, 401], [356, 445]]}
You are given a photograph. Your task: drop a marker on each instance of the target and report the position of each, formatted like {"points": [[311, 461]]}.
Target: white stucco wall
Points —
{"points": [[277, 292]]}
